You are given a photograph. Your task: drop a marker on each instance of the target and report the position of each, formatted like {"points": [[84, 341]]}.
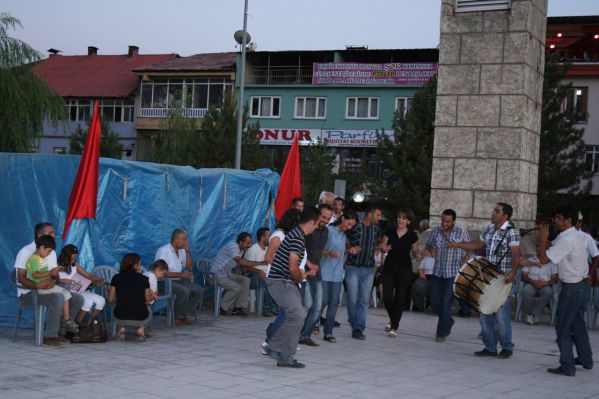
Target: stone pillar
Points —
{"points": [[488, 117]]}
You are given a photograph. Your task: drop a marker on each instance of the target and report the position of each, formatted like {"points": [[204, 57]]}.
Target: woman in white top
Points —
{"points": [[71, 273]]}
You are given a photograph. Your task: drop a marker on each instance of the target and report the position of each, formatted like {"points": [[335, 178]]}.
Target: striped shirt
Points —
{"points": [[499, 243], [294, 242], [447, 260], [364, 237], [225, 261]]}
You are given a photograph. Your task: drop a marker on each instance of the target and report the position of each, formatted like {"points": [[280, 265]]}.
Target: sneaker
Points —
{"points": [[392, 333], [504, 354], [265, 348], [51, 343], [357, 334], [316, 330], [561, 371], [294, 364], [308, 341], [485, 353], [530, 319], [70, 326]]}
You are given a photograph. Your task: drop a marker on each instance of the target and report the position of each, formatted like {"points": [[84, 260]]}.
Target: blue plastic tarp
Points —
{"points": [[139, 205]]}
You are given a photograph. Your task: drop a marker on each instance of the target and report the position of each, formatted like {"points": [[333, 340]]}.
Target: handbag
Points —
{"points": [[95, 332]]}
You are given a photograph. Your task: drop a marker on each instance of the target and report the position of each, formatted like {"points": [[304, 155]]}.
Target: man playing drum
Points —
{"points": [[502, 242], [447, 263]]}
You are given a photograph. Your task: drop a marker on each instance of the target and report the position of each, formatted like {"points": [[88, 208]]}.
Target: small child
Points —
{"points": [[158, 271], [37, 271], [380, 253]]}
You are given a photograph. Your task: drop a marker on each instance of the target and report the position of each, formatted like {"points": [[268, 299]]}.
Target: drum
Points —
{"points": [[482, 284]]}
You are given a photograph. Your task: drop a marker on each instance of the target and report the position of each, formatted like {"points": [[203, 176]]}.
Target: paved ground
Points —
{"points": [[220, 358]]}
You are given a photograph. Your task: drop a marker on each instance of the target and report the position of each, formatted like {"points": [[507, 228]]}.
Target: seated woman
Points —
{"points": [[132, 292], [69, 271]]}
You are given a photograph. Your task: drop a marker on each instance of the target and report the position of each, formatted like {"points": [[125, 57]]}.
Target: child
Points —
{"points": [[380, 253], [158, 271], [67, 261], [37, 271]]}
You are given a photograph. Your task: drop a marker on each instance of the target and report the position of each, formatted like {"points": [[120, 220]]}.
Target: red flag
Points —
{"points": [[84, 194], [290, 185]]}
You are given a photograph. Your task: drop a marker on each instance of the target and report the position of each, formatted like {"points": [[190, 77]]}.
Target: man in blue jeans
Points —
{"points": [[569, 252], [447, 263], [359, 273], [502, 242], [315, 244]]}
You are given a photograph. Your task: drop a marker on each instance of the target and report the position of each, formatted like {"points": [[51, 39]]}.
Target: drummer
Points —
{"points": [[502, 242], [447, 263]]}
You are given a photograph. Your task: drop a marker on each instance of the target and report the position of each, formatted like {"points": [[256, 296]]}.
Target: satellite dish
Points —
{"points": [[238, 36], [358, 197]]}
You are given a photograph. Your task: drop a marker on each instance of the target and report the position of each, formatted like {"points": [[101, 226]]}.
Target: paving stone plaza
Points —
{"points": [[220, 358]]}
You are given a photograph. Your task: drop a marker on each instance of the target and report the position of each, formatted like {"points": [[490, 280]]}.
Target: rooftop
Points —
{"points": [[194, 63]]}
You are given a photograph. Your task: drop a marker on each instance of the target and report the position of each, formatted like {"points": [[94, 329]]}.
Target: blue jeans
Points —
{"points": [[498, 322], [358, 282], [330, 299], [441, 299], [314, 308], [571, 306]]}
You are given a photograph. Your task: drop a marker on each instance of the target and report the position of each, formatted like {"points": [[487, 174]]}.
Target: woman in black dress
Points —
{"points": [[132, 292], [397, 270]]}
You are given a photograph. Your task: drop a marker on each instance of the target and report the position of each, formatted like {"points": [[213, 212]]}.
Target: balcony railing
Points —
{"points": [[165, 112], [280, 75]]}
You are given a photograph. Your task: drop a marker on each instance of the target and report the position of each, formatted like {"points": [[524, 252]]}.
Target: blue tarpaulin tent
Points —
{"points": [[139, 204]]}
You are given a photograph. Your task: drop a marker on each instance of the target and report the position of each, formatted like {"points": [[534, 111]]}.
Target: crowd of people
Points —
{"points": [[312, 255]]}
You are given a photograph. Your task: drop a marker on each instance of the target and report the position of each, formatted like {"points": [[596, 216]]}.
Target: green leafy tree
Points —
{"points": [[109, 140], [177, 141], [406, 156], [25, 99], [563, 174], [316, 166]]}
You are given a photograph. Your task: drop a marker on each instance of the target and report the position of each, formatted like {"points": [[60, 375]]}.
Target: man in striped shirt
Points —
{"points": [[282, 283]]}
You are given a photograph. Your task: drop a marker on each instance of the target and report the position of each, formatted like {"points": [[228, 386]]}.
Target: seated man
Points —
{"points": [[421, 287], [55, 324], [538, 280], [237, 287], [188, 296], [257, 252]]}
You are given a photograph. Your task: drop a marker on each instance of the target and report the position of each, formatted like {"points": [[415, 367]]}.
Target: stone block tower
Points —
{"points": [[488, 114]]}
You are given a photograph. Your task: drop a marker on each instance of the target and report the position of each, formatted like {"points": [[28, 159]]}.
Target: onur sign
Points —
{"points": [[328, 137]]}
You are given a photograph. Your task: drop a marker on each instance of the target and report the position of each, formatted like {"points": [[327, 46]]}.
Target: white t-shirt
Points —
{"points": [[64, 275], [256, 253], [175, 260], [542, 273], [153, 282], [590, 244], [569, 251], [22, 258]]}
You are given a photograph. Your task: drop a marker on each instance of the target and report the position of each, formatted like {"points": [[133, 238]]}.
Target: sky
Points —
{"points": [[189, 27]]}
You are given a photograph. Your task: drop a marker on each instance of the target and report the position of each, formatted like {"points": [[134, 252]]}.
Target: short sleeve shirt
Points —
{"points": [[225, 259], [569, 251], [542, 273], [447, 260], [294, 242], [175, 260], [498, 244], [36, 264], [130, 296], [398, 257], [24, 255]]}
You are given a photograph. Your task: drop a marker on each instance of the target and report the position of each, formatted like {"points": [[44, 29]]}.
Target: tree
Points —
{"points": [[109, 140], [316, 168], [25, 99], [406, 156], [563, 174], [180, 143]]}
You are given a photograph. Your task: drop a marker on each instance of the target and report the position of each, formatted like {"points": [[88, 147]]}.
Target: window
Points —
{"points": [[59, 150], [481, 5], [117, 110], [362, 108], [184, 93], [310, 107], [403, 105], [78, 109], [576, 103], [592, 158], [266, 107]]}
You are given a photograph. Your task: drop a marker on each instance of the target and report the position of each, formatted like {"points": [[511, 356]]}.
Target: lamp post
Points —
{"points": [[244, 40]]}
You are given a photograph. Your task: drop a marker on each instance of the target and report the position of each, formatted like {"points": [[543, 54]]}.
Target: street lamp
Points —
{"points": [[242, 37]]}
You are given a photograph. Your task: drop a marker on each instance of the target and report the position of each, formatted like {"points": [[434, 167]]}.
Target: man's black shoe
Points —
{"points": [[485, 353], [239, 312], [579, 363], [308, 341], [357, 334], [294, 364], [225, 312], [322, 320], [337, 324], [561, 371], [504, 354]]}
